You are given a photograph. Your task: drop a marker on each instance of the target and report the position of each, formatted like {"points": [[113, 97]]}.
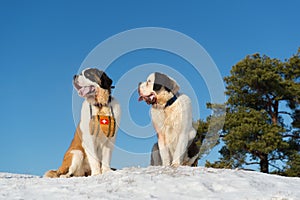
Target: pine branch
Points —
{"points": [[284, 112], [292, 136], [275, 166], [279, 157], [252, 163]]}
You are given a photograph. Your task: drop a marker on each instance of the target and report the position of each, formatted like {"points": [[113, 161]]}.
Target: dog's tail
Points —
{"points": [[51, 174]]}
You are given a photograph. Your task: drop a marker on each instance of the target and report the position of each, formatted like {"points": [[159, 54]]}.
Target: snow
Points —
{"points": [[154, 183]]}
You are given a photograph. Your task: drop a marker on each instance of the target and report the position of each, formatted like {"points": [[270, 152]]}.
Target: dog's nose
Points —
{"points": [[74, 77]]}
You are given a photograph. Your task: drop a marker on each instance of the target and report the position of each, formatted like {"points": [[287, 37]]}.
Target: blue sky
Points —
{"points": [[44, 43]]}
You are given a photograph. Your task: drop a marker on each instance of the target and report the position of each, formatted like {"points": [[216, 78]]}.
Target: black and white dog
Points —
{"points": [[171, 115]]}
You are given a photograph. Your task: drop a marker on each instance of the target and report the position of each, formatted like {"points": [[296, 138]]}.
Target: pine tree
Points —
{"points": [[292, 75], [293, 166], [250, 133], [255, 131]]}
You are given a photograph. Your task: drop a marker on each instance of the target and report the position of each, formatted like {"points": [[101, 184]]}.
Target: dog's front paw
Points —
{"points": [[175, 164], [96, 172], [64, 176], [106, 169], [166, 162]]}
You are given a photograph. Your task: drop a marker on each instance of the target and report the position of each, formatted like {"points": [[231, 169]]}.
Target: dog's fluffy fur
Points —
{"points": [[90, 154], [171, 115]]}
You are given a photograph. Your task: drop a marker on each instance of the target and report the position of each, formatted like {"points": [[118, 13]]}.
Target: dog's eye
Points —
{"points": [[87, 74]]}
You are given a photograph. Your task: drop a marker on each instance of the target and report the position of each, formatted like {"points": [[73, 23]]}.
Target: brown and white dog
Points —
{"points": [[171, 115], [91, 149]]}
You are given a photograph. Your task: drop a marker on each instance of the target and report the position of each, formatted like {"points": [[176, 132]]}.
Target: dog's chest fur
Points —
{"points": [[166, 124]]}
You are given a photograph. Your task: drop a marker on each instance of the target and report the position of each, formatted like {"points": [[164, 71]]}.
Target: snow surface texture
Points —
{"points": [[154, 183]]}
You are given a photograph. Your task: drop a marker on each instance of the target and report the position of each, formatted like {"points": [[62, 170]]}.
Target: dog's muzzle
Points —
{"points": [[150, 99], [83, 91]]}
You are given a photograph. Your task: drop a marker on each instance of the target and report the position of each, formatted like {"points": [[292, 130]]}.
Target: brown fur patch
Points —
{"points": [[51, 174], [76, 144], [163, 96], [102, 96]]}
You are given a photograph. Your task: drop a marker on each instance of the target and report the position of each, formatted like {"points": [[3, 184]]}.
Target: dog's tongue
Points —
{"points": [[85, 90], [148, 99]]}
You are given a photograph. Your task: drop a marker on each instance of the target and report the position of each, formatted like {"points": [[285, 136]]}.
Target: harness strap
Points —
{"points": [[114, 125], [98, 125], [91, 111], [109, 126]]}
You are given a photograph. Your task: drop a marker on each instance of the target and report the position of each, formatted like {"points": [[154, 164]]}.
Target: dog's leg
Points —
{"points": [[163, 150], [158, 118], [91, 153], [77, 161], [155, 156], [187, 133], [180, 150], [76, 165], [93, 160], [106, 154], [88, 140]]}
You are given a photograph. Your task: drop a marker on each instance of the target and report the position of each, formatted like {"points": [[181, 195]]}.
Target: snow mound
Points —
{"points": [[154, 183]]}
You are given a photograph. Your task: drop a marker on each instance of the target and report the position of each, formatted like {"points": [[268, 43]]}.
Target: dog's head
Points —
{"points": [[158, 89], [93, 85]]}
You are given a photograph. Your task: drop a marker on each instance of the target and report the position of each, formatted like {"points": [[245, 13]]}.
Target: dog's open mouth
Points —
{"points": [[150, 99], [83, 91]]}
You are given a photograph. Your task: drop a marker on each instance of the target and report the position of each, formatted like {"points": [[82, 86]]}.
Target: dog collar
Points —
{"points": [[100, 105], [171, 101]]}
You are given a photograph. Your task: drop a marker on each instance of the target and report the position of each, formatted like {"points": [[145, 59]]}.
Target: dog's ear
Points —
{"points": [[157, 87], [93, 75], [106, 82], [98, 77], [165, 81]]}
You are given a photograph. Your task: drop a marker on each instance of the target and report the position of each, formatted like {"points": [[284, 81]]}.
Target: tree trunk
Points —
{"points": [[264, 163], [275, 113]]}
